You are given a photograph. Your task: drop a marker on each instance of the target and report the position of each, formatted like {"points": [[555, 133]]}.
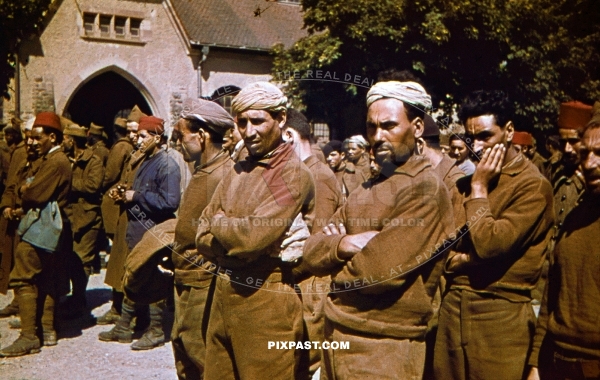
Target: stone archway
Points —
{"points": [[102, 98]]}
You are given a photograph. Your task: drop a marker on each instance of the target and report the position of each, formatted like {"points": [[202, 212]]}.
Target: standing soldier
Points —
{"points": [[33, 276], [152, 199], [486, 318], [358, 165], [565, 176], [119, 250], [200, 132], [96, 141], [242, 229], [380, 248], [115, 165], [86, 220], [10, 202], [336, 158], [567, 339]]}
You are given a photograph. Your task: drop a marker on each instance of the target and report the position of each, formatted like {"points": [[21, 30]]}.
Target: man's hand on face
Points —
{"points": [[488, 168]]}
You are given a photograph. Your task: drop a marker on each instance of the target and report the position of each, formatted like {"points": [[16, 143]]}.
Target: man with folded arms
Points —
{"points": [[242, 230], [380, 248]]}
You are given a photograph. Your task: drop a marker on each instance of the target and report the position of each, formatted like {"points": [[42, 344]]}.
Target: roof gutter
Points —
{"points": [[197, 44]]}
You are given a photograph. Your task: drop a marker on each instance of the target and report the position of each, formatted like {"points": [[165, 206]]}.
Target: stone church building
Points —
{"points": [[95, 59]]}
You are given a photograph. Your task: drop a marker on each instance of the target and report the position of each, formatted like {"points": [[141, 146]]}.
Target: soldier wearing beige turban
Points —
{"points": [[242, 230]]}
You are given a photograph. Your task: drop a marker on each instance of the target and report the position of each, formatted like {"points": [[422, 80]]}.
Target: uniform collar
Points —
{"points": [[515, 166], [311, 160], [211, 165], [413, 166]]}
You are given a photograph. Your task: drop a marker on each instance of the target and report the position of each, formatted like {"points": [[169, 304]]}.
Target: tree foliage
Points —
{"points": [[541, 52], [19, 20]]}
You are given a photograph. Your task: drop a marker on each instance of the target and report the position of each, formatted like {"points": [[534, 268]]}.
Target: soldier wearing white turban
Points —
{"points": [[385, 318]]}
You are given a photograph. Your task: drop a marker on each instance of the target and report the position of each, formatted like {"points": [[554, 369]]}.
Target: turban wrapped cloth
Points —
{"points": [[408, 92], [259, 96], [208, 112]]}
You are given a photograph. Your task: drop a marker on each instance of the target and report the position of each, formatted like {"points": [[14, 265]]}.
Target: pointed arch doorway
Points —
{"points": [[104, 98]]}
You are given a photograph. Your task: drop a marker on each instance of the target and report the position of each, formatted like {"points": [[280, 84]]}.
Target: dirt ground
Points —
{"points": [[80, 355]]}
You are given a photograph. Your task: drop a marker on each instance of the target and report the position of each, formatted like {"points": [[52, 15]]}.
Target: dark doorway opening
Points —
{"points": [[104, 98]]}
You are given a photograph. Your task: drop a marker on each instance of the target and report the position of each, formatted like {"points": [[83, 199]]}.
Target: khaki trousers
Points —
{"points": [[242, 322], [482, 337], [371, 356], [192, 307]]}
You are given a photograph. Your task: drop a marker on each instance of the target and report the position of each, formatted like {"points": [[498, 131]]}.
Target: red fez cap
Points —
{"points": [[574, 115], [48, 119], [522, 138], [152, 124]]}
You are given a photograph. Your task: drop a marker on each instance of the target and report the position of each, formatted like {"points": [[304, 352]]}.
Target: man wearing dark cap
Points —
{"points": [[567, 338], [153, 199], [97, 141], [486, 318], [242, 230], [115, 165], [565, 176], [328, 197], [33, 275], [200, 131]]}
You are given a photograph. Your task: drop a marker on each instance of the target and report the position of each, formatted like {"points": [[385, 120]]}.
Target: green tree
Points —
{"points": [[541, 52], [19, 20]]}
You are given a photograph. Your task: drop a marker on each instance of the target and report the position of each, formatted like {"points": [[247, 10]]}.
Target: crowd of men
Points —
{"points": [[424, 263]]}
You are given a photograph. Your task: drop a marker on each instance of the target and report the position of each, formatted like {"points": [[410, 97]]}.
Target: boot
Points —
{"points": [[154, 336], [10, 309], [49, 332], [27, 342], [122, 332], [113, 315], [76, 306]]}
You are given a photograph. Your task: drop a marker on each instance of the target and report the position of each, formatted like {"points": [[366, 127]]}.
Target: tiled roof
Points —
{"points": [[232, 23]]}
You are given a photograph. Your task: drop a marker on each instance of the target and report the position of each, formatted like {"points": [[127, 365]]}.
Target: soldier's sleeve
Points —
{"points": [[114, 165], [247, 237], [401, 248], [520, 222], [320, 255], [92, 179]]}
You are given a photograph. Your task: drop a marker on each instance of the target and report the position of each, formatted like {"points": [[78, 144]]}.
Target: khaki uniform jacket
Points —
{"points": [[258, 200], [86, 186], [328, 192], [388, 287], [508, 233], [188, 270], [101, 151], [568, 190], [120, 250], [115, 165], [356, 174], [571, 304]]}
